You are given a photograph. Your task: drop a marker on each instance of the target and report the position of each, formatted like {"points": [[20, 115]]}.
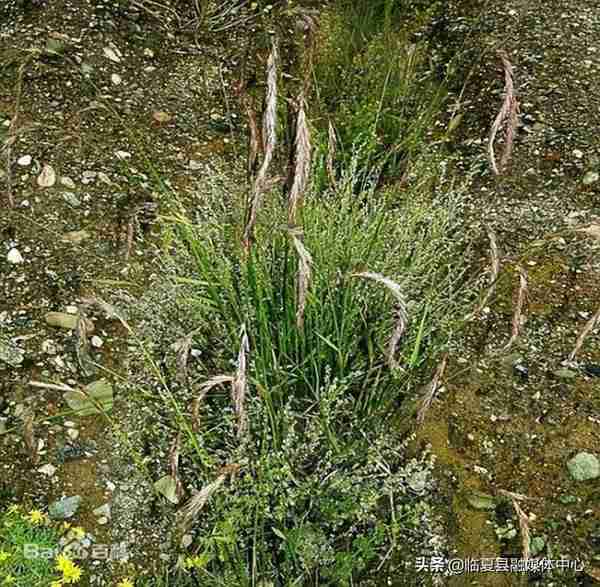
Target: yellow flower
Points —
{"points": [[78, 532], [62, 562], [56, 584], [125, 583], [197, 562], [71, 572], [66, 525], [73, 575], [4, 555], [36, 517]]}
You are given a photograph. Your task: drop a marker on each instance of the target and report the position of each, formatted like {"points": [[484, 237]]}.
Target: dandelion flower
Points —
{"points": [[71, 572], [72, 575], [36, 517], [125, 583]]}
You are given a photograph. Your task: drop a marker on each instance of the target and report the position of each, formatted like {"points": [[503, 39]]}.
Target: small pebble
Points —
{"points": [[24, 161], [14, 257], [47, 470]]}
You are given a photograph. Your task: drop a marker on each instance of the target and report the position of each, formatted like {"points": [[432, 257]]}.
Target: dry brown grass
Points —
{"points": [[494, 273], [400, 311], [174, 465], [302, 162], [508, 115], [204, 389], [589, 326], [518, 315], [189, 512], [515, 498], [304, 275], [431, 389], [239, 386], [269, 136]]}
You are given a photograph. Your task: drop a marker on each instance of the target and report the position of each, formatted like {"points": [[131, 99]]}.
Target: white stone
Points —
{"points": [[48, 470], [96, 341], [14, 256], [24, 161], [47, 178], [112, 55], [116, 79]]}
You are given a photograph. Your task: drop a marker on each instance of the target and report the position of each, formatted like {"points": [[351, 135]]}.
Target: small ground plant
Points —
{"points": [[30, 552]]}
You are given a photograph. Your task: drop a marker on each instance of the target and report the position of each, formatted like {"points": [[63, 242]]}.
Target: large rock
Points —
{"points": [[64, 508], [584, 466]]}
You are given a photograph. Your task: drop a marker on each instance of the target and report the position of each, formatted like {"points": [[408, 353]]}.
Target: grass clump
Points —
{"points": [[316, 486], [346, 321], [317, 318]]}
